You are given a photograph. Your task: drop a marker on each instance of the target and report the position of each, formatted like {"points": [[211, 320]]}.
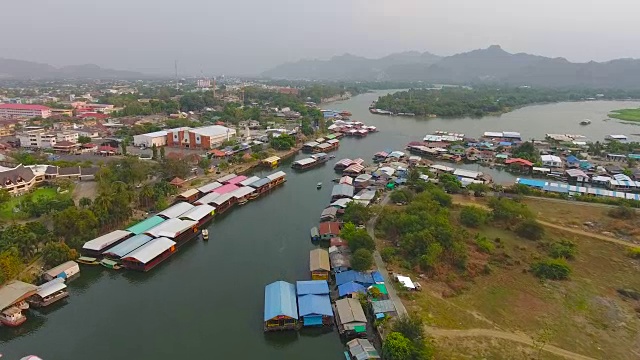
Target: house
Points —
{"points": [[329, 214], [350, 318], [341, 191], [17, 180], [457, 150], [362, 349], [280, 307], [350, 289], [572, 161], [577, 176], [329, 230], [354, 276], [319, 264], [315, 310], [551, 161], [340, 260], [383, 308]]}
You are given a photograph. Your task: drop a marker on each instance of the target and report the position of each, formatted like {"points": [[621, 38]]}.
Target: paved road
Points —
{"points": [[523, 339], [382, 267]]}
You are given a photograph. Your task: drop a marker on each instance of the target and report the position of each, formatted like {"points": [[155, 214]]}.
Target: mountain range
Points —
{"points": [[22, 70], [492, 65]]}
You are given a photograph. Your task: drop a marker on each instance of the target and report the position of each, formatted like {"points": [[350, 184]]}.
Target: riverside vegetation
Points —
{"points": [[487, 263]]}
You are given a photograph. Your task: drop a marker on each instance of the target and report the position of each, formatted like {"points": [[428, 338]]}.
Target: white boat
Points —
{"points": [[12, 317], [205, 234], [319, 185], [585, 122]]}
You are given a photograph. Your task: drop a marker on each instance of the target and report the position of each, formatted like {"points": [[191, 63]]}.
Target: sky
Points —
{"points": [[245, 37]]}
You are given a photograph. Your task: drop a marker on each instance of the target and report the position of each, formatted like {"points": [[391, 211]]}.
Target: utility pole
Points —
{"points": [[176, 68], [214, 88]]}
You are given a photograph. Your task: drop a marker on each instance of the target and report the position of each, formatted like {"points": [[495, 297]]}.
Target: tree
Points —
{"points": [[563, 249], [509, 211], [75, 226], [84, 140], [450, 183], [361, 260], [473, 216], [530, 229], [55, 253], [172, 168], [552, 269], [84, 202], [204, 163], [410, 327], [162, 153], [154, 152], [357, 238], [4, 196], [478, 189], [397, 347], [123, 146], [10, 264], [283, 142], [413, 176], [401, 196], [357, 213]]}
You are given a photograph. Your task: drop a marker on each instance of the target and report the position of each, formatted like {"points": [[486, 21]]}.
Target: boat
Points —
{"points": [[205, 234], [319, 186], [22, 305], [12, 317], [110, 264], [332, 156], [585, 122], [88, 260], [243, 201], [49, 293], [315, 234]]}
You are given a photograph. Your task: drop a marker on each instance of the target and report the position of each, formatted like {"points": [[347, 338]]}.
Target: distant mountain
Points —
{"points": [[348, 67], [20, 69], [490, 65]]}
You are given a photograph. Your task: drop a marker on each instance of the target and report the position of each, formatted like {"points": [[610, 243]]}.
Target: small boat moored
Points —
{"points": [[585, 122], [87, 260], [319, 186], [315, 234], [12, 317], [205, 234], [110, 264]]}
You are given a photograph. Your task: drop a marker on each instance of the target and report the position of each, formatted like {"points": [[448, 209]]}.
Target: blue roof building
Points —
{"points": [[315, 310], [280, 308], [377, 277], [355, 276], [351, 288], [312, 287]]}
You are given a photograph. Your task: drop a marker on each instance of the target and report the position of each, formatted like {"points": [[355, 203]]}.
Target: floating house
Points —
{"points": [[226, 188], [380, 156], [262, 186], [243, 194], [342, 164], [189, 196], [616, 137], [237, 180], [66, 270], [319, 264], [329, 230], [354, 276], [49, 293], [340, 261], [206, 189], [202, 214], [180, 231], [330, 145], [350, 318], [315, 310], [277, 178], [127, 246], [145, 225], [249, 181], [309, 146], [362, 181], [150, 254], [207, 199], [312, 287], [223, 180], [350, 289], [12, 294], [280, 308], [362, 349], [308, 163], [174, 212], [98, 245], [341, 191], [315, 235], [346, 180], [224, 202], [329, 214], [353, 170], [271, 161]]}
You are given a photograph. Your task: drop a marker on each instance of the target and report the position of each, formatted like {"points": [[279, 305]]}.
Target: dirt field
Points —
{"points": [[583, 315]]}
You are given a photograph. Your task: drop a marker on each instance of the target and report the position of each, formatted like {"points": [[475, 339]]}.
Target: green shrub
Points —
{"points": [[473, 216], [622, 212], [634, 252], [552, 269], [387, 254], [530, 229], [563, 249], [361, 260], [484, 244]]}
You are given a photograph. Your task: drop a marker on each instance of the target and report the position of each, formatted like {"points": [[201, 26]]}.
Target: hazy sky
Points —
{"points": [[248, 36]]}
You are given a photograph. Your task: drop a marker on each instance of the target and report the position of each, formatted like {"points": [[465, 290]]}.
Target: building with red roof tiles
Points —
{"points": [[24, 110]]}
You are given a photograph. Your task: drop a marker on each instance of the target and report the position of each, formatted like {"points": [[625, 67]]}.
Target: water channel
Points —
{"points": [[207, 300]]}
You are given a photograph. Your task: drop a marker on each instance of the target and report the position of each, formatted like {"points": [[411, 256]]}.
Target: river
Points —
{"points": [[207, 300]]}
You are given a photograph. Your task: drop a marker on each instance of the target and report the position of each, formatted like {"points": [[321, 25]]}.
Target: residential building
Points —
{"points": [[70, 136], [204, 137], [551, 161], [158, 138], [37, 139], [7, 127], [319, 264], [350, 318], [62, 112], [24, 111]]}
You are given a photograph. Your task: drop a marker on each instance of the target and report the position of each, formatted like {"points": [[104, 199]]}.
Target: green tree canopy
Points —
{"points": [[361, 260], [397, 347]]}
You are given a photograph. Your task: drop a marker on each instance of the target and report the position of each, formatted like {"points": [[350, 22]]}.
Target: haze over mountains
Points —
{"points": [[22, 70], [490, 65]]}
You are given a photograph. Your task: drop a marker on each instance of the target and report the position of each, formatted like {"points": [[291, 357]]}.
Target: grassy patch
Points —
{"points": [[6, 210], [626, 114]]}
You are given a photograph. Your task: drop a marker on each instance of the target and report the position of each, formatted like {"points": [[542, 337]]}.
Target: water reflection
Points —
{"points": [[280, 339]]}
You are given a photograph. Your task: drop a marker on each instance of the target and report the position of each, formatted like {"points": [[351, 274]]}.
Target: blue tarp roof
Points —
{"points": [[128, 245], [351, 275], [504, 143], [377, 277], [572, 159], [315, 287], [280, 299], [532, 182], [350, 288], [315, 305]]}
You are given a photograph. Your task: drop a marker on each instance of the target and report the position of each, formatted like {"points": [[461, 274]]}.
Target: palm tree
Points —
{"points": [[146, 195]]}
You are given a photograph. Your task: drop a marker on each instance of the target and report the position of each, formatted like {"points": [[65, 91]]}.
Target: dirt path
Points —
{"points": [[564, 228], [523, 339]]}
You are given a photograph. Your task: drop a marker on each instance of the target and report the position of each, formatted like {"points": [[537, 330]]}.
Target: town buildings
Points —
{"points": [[206, 137], [24, 111], [158, 138]]}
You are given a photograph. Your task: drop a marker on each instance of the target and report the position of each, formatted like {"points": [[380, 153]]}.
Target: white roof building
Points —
{"points": [[158, 138]]}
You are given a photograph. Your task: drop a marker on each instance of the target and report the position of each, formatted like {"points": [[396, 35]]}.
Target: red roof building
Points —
{"points": [[329, 230], [519, 161], [24, 110], [93, 115]]}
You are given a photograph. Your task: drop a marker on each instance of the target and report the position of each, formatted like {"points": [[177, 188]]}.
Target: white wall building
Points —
{"points": [[551, 161], [37, 139], [158, 138], [24, 111]]}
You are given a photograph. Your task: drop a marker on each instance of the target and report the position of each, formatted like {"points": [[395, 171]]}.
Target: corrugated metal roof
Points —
{"points": [[314, 305], [354, 168], [198, 213], [242, 192], [341, 202], [128, 245], [146, 224], [362, 349], [350, 311], [15, 291], [315, 287], [271, 159], [176, 210], [171, 228], [189, 193], [237, 179], [260, 183], [226, 178], [105, 240], [209, 187], [227, 188], [305, 161], [355, 276], [319, 260], [208, 199], [222, 199], [350, 288], [346, 180], [276, 175], [249, 181], [467, 173], [329, 212], [383, 306], [53, 272], [342, 190], [280, 300], [51, 287], [151, 250]]}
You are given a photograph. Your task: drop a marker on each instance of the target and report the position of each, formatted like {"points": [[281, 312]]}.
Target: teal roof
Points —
{"points": [[145, 225]]}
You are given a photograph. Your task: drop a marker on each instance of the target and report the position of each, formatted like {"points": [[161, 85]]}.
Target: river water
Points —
{"points": [[207, 300]]}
